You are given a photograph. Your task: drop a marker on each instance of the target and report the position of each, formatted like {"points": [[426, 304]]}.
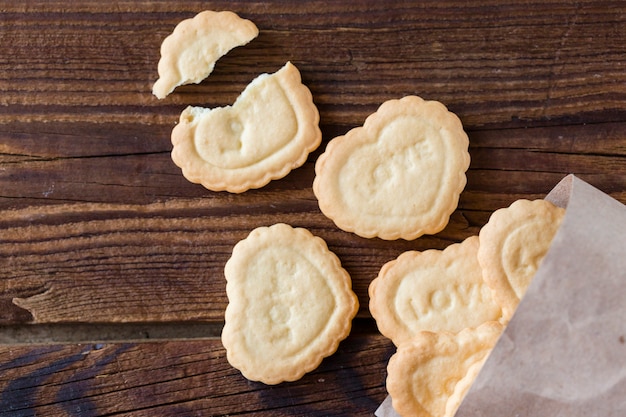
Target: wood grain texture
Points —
{"points": [[99, 227], [493, 64], [182, 379]]}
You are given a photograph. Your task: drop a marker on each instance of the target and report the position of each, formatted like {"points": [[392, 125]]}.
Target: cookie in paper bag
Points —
{"points": [[512, 245], [397, 176], [189, 53], [290, 304], [432, 290], [462, 387], [423, 373], [269, 130]]}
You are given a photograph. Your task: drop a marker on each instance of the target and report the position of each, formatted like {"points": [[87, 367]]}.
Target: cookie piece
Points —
{"points": [[269, 130], [397, 176], [462, 387], [290, 304], [512, 245], [423, 373], [432, 290], [188, 55]]}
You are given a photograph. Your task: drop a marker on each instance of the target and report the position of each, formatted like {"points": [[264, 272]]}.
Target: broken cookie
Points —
{"points": [[269, 130], [188, 55]]}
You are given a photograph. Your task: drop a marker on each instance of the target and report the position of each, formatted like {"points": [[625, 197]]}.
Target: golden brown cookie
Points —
{"points": [[432, 290], [512, 245], [423, 373], [397, 176], [269, 130], [462, 387], [188, 55], [290, 304]]}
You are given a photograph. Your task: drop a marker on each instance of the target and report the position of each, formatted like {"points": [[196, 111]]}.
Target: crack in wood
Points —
{"points": [[62, 333], [94, 333], [37, 158]]}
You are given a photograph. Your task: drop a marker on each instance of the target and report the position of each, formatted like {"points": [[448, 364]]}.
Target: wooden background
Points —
{"points": [[111, 264]]}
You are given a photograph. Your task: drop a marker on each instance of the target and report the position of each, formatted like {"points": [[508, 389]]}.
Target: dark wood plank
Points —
{"points": [[183, 379], [492, 63]]}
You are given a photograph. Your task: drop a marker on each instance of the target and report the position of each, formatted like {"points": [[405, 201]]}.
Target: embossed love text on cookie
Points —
{"points": [[512, 245], [290, 304], [398, 176], [432, 290]]}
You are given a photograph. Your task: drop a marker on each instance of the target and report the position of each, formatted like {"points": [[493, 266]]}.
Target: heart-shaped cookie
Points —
{"points": [[397, 176], [269, 130], [432, 290], [290, 304], [512, 245], [423, 373], [189, 53]]}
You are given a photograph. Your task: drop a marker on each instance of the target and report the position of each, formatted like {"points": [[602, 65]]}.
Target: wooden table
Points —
{"points": [[112, 291]]}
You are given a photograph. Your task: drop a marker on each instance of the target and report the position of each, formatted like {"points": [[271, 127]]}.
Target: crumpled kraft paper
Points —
{"points": [[564, 351]]}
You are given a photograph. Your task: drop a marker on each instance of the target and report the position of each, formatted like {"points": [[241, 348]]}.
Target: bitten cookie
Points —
{"points": [[269, 130], [397, 176], [432, 290], [188, 55], [290, 304], [422, 375], [512, 245]]}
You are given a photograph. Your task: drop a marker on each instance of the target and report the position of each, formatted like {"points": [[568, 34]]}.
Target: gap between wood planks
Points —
{"points": [[63, 333], [106, 332]]}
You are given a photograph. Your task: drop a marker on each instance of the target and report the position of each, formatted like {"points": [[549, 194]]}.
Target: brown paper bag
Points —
{"points": [[564, 351]]}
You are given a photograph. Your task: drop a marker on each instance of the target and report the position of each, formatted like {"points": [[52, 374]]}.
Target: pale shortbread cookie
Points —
{"points": [[423, 373], [269, 130], [512, 245], [432, 290], [462, 387], [397, 176], [188, 55], [290, 304]]}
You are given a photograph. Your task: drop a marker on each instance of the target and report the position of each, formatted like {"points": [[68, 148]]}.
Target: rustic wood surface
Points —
{"points": [[104, 244]]}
